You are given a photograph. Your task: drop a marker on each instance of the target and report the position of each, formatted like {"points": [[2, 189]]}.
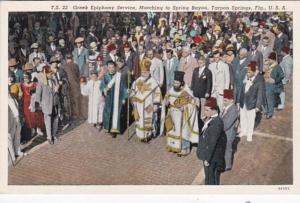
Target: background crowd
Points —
{"points": [[59, 62]]}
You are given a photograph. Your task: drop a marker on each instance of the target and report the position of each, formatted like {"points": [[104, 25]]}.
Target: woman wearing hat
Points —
{"points": [[13, 66], [33, 120]]}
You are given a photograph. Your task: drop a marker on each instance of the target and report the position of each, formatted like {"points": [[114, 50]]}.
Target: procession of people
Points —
{"points": [[198, 78]]}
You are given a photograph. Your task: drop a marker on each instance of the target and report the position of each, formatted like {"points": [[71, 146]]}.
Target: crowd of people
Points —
{"points": [[199, 79]]}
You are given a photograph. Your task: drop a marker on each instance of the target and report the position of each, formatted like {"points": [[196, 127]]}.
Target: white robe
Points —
{"points": [[184, 119], [96, 100], [144, 98]]}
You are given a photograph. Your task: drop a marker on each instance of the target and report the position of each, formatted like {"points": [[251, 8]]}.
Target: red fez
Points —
{"points": [[285, 50], [211, 103], [99, 58], [82, 79], [228, 94], [134, 39], [126, 45], [246, 30], [272, 56], [252, 66], [47, 69], [262, 23], [197, 39], [111, 47]]}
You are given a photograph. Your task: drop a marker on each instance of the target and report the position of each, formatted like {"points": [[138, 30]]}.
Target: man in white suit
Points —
{"points": [[156, 68], [220, 78]]}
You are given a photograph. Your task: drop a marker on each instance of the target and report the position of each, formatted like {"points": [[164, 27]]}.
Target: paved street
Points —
{"points": [[86, 157]]}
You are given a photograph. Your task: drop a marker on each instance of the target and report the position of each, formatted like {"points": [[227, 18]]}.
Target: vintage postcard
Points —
{"points": [[149, 97]]}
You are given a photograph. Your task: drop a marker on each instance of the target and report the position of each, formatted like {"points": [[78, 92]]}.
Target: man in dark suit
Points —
{"points": [[212, 143], [201, 83], [229, 116], [239, 66], [251, 100], [281, 41], [257, 56], [239, 44]]}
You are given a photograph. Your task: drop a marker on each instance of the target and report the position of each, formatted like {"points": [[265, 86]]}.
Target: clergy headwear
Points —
{"points": [[145, 65], [179, 76]]}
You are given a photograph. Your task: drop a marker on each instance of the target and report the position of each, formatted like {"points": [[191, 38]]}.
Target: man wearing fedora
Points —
{"points": [[51, 48], [80, 54], [13, 66], [47, 98], [281, 40], [59, 75], [212, 143], [23, 52], [36, 53]]}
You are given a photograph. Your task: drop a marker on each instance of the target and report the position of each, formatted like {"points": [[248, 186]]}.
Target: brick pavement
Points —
{"points": [[87, 157]]}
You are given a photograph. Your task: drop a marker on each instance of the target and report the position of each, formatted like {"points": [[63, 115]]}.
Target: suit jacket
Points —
{"points": [[280, 42], [23, 58], [229, 117], [188, 66], [46, 97], [237, 49], [202, 84], [253, 98], [287, 67], [157, 71], [265, 51], [212, 143], [40, 55], [170, 70], [220, 77], [50, 52], [277, 75], [81, 59], [258, 57]]}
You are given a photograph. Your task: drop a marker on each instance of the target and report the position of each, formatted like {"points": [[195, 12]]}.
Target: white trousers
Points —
{"points": [[247, 120]]}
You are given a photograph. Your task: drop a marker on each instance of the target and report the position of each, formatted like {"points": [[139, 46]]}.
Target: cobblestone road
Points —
{"points": [[86, 157]]}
